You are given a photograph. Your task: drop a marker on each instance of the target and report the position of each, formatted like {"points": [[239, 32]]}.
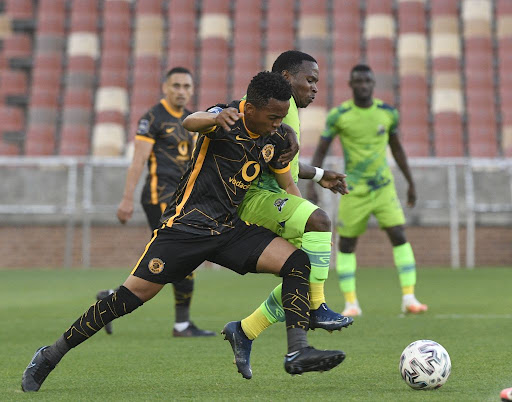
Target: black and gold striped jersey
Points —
{"points": [[172, 150], [223, 165]]}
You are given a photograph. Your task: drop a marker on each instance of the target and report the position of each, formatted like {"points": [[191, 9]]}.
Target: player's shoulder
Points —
{"points": [[338, 111], [384, 106]]}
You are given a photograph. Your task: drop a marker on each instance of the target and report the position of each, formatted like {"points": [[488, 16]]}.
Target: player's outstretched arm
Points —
{"points": [[140, 156], [318, 159], [401, 160], [288, 154], [285, 181], [206, 121]]}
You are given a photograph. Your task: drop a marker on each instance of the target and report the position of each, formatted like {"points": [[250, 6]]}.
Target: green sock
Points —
{"points": [[346, 268], [405, 264], [317, 245], [272, 308]]}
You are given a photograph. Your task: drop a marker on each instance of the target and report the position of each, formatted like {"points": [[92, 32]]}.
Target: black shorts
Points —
{"points": [[173, 254]]}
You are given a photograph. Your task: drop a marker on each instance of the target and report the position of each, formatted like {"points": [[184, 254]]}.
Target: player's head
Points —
{"points": [[362, 82], [301, 70], [178, 87], [268, 100]]}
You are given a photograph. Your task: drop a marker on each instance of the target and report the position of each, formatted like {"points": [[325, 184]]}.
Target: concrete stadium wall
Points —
{"points": [[28, 246]]}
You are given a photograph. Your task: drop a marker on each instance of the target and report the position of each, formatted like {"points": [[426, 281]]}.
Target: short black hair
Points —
{"points": [[291, 60], [177, 70], [267, 85], [360, 68]]}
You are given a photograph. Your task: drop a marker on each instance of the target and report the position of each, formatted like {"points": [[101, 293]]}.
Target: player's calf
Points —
{"points": [[119, 303]]}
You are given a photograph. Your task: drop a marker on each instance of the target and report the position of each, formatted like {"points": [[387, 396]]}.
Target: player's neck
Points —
{"points": [[363, 103]]}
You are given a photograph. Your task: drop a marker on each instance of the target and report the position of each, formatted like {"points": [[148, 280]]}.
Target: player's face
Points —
{"points": [[304, 83], [362, 84], [178, 89], [267, 119]]}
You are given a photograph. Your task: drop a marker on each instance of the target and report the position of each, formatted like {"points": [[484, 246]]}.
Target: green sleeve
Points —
{"points": [[331, 128]]}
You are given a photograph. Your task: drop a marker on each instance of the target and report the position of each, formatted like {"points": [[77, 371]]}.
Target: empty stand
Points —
{"points": [[447, 96], [182, 33], [504, 42], [247, 37], [280, 17], [478, 69], [412, 69], [214, 32]]}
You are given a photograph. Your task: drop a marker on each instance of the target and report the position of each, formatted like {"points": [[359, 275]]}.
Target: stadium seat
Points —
{"points": [[148, 7], [347, 45], [40, 140], [20, 9], [112, 99], [181, 35], [74, 140], [247, 50], [280, 15], [17, 46], [108, 139], [14, 87], [448, 135]]}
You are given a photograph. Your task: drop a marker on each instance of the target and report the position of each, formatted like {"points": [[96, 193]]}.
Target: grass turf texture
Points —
{"points": [[470, 315]]}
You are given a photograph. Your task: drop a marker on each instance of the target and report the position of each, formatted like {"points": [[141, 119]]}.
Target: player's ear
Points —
{"points": [[249, 109]]}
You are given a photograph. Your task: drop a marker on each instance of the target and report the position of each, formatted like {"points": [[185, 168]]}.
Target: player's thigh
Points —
{"points": [[242, 248], [353, 214], [387, 209], [171, 255], [284, 214]]}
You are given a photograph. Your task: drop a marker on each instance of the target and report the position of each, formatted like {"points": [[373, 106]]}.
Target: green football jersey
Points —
{"points": [[364, 135], [267, 180]]}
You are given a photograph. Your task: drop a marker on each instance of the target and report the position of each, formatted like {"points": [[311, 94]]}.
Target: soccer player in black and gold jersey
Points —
{"points": [[201, 223], [166, 147]]}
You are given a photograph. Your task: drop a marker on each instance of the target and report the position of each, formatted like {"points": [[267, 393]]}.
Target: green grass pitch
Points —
{"points": [[470, 315]]}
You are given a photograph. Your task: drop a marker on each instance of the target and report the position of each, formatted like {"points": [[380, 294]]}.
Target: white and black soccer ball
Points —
{"points": [[425, 365]]}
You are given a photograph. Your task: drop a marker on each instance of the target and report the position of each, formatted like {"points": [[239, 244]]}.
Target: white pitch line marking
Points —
{"points": [[473, 316]]}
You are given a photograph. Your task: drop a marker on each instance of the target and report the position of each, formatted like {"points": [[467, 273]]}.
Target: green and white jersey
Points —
{"points": [[364, 134], [267, 181]]}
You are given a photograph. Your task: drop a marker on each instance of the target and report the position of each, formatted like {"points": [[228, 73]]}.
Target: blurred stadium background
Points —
{"points": [[76, 75]]}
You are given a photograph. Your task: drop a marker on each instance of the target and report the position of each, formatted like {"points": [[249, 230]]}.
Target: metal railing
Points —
{"points": [[82, 213]]}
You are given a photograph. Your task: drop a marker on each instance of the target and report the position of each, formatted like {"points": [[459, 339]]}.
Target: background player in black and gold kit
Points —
{"points": [[166, 147], [201, 223]]}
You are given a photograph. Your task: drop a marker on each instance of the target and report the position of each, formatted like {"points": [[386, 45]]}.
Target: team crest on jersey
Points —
{"points": [[156, 265], [280, 203], [267, 152], [143, 127], [381, 130]]}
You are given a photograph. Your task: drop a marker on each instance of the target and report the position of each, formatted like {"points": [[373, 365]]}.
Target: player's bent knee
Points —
{"points": [[297, 262], [318, 221], [124, 301], [396, 235], [347, 244]]}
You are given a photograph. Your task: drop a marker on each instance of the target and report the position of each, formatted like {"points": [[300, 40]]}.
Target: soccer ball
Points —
{"points": [[425, 365]]}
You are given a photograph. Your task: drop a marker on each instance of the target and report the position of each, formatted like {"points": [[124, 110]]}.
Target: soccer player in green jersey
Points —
{"points": [[292, 217], [365, 126]]}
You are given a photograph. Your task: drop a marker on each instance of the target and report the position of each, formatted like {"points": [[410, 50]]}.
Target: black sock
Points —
{"points": [[182, 297], [295, 298], [113, 306], [57, 351]]}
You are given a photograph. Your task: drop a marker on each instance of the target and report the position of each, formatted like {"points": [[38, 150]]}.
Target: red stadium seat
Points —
{"points": [[11, 118], [20, 9], [17, 46], [448, 135], [379, 6], [7, 149], [411, 17], [40, 140], [74, 140], [13, 83], [110, 117], [444, 7]]}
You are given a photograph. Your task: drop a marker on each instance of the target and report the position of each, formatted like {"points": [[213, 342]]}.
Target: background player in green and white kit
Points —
{"points": [[366, 126], [294, 218]]}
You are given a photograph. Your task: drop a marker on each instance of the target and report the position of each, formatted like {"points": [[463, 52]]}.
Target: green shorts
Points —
{"points": [[284, 214], [355, 210]]}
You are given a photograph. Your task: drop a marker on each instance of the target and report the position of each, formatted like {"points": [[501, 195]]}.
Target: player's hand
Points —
{"points": [[289, 153], [411, 197], [311, 193], [228, 117], [334, 181], [125, 211]]}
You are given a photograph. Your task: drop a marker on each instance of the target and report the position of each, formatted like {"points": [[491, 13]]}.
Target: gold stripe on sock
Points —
{"points": [[350, 297], [408, 290], [255, 324], [316, 295]]}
